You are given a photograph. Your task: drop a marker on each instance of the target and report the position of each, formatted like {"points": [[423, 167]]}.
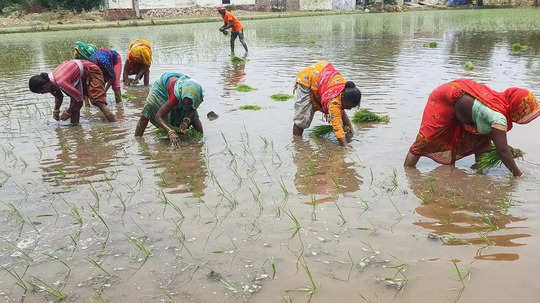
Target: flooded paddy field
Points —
{"points": [[89, 213]]}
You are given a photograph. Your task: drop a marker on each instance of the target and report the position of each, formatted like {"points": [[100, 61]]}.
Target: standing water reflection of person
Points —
{"points": [[454, 209]]}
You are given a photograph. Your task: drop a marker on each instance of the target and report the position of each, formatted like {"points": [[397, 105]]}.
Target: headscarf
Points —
{"points": [[140, 51], [516, 104], [330, 84], [84, 50], [186, 87], [105, 59]]}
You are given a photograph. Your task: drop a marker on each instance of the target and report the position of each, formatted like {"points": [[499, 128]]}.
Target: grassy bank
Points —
{"points": [[149, 22]]}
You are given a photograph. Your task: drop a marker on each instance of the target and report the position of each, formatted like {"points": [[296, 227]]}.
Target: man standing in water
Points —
{"points": [[237, 30]]}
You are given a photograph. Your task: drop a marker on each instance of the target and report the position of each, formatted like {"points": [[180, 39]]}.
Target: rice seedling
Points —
{"points": [[229, 286], [190, 135], [14, 212], [283, 188], [489, 222], [63, 262], [166, 202], [281, 97], [462, 276], [76, 214], [140, 246], [140, 177], [516, 47], [128, 96], [394, 179], [95, 194], [122, 200], [181, 237], [364, 115], [56, 292], [19, 279], [235, 59], [308, 289], [469, 65], [98, 266], [431, 44], [341, 216], [98, 215], [97, 298], [399, 279], [491, 159], [250, 107], [244, 88], [321, 131], [506, 202], [314, 207]]}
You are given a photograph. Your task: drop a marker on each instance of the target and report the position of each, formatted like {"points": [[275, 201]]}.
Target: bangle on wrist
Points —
{"points": [[56, 111], [172, 131]]}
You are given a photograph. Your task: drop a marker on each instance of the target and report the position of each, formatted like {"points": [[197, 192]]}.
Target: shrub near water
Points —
{"points": [[365, 116]]}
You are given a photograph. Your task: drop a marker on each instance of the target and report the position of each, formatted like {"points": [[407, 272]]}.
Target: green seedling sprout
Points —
{"points": [[250, 107], [244, 88], [98, 266]]}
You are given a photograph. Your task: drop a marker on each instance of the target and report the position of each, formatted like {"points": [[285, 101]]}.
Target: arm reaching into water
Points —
{"points": [[163, 111], [505, 151]]}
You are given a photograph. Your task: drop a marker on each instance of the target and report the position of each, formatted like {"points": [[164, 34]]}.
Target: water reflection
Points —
{"points": [[83, 155], [466, 209], [322, 170], [234, 74], [181, 171]]}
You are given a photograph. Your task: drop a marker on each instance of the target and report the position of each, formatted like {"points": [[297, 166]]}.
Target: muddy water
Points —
{"points": [[250, 214]]}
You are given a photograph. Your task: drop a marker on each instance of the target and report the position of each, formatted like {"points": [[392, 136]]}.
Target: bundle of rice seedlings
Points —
{"points": [[516, 47], [491, 159], [281, 97], [250, 107], [321, 131], [432, 44], [192, 134], [365, 115], [235, 59], [128, 96], [244, 88], [469, 65]]}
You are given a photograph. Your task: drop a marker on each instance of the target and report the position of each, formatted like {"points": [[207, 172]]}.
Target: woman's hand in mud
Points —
{"points": [[56, 115], [175, 139]]}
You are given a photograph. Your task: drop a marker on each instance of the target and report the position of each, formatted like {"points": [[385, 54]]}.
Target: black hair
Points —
{"points": [[351, 94], [37, 82]]}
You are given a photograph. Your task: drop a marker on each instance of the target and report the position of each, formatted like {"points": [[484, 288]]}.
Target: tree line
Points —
{"points": [[38, 5]]}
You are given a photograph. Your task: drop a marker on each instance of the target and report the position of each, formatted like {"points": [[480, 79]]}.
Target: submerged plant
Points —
{"points": [[491, 159], [516, 47], [250, 107], [321, 131], [244, 88], [432, 44], [128, 96], [281, 97], [365, 115]]}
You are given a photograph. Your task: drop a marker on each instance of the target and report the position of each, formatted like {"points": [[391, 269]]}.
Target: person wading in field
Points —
{"points": [[237, 29]]}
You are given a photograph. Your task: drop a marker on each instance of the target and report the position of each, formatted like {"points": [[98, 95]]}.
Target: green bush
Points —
{"points": [[7, 6]]}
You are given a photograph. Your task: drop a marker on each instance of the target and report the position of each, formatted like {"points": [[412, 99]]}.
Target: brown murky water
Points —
{"points": [[250, 214]]}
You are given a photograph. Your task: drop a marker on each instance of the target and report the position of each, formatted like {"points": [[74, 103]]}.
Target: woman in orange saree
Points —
{"points": [[462, 117]]}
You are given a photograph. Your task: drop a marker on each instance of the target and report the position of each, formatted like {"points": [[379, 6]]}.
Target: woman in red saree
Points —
{"points": [[462, 117]]}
